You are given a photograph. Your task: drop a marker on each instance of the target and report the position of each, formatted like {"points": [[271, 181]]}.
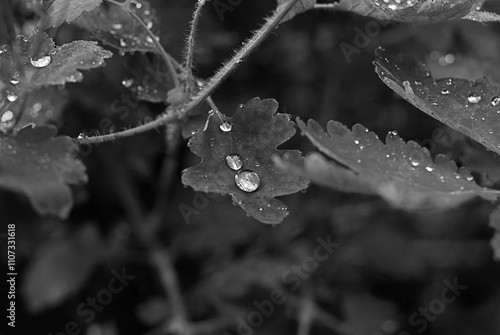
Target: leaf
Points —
{"points": [[256, 132], [300, 7], [402, 173], [417, 11], [318, 169], [472, 108], [60, 268], [34, 162], [117, 28], [495, 241], [37, 107], [54, 65], [59, 11]]}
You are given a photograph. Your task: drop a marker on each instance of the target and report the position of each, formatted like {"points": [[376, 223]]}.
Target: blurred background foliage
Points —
{"points": [[390, 262]]}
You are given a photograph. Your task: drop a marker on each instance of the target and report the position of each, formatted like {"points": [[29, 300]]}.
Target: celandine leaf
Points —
{"points": [[300, 7], [117, 28], [401, 172], [472, 108], [495, 241], [418, 11], [35, 162], [59, 11], [237, 160]]}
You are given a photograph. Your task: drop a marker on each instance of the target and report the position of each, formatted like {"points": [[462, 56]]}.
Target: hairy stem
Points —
{"points": [[191, 43], [219, 77]]}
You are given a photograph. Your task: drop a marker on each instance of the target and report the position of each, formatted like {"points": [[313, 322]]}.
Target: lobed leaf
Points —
{"points": [[401, 172], [418, 11], [36, 163], [471, 107], [59, 11], [255, 133], [116, 27]]}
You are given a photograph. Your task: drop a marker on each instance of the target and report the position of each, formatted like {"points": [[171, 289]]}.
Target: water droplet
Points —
{"points": [[149, 39], [123, 44], [149, 24], [14, 81], [7, 116], [127, 82], [234, 161], [356, 142], [81, 136], [415, 163], [226, 126], [418, 83], [474, 98], [429, 168], [445, 91], [41, 62], [495, 101], [12, 97], [247, 180], [470, 178], [117, 26]]}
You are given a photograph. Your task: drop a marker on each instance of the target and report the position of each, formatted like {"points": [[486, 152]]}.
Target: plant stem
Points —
{"points": [[219, 77], [191, 43], [159, 47], [325, 5]]}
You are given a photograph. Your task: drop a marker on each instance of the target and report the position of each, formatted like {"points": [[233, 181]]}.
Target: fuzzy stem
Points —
{"points": [[219, 77], [159, 47], [191, 42]]}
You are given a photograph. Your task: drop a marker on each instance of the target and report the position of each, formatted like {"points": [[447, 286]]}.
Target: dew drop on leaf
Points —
{"points": [[6, 117], [41, 62], [12, 97], [429, 168], [474, 98], [495, 101], [226, 127], [234, 161], [127, 82], [14, 81], [445, 91], [247, 181], [415, 162], [117, 26]]}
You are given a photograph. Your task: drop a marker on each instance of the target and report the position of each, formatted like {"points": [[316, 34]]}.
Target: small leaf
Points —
{"points": [[472, 108], [300, 7], [417, 11], [402, 173], [34, 62], [495, 241], [59, 11], [60, 268], [117, 28], [34, 162], [253, 133]]}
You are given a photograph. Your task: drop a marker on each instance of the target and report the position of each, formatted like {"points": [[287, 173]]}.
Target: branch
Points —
{"points": [[219, 77]]}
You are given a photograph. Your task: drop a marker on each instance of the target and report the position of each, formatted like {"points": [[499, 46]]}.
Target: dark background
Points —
{"points": [[390, 262]]}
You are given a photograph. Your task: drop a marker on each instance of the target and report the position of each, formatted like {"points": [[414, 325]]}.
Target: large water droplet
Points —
{"points": [[14, 81], [415, 162], [474, 98], [234, 161], [41, 62], [226, 127], [7, 116], [12, 96], [247, 180], [495, 101], [445, 91]]}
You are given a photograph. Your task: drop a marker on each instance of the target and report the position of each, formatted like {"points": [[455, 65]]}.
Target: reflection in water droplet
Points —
{"points": [[226, 127], [474, 98], [495, 101], [127, 82], [7, 116], [14, 81], [234, 161], [12, 97], [445, 91], [41, 62], [247, 180]]}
